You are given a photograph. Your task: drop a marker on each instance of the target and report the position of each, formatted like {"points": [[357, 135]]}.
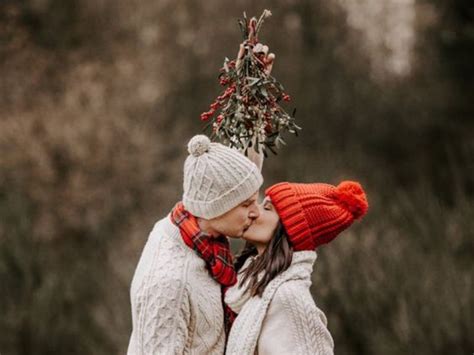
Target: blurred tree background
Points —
{"points": [[98, 99]]}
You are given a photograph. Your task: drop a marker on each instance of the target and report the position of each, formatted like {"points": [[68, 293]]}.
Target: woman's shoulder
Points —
{"points": [[293, 290], [293, 300], [296, 280]]}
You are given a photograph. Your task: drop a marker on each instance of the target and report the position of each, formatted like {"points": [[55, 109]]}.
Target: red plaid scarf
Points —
{"points": [[214, 251]]}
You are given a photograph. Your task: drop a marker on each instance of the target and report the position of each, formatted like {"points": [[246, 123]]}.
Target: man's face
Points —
{"points": [[236, 221]]}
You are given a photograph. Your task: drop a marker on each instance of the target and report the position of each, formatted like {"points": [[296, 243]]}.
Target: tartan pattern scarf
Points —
{"points": [[214, 251]]}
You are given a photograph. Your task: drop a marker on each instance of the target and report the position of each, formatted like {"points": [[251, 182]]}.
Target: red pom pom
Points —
{"points": [[351, 195]]}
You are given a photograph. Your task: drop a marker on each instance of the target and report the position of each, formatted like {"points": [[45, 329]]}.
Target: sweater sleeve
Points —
{"points": [[162, 316], [294, 324]]}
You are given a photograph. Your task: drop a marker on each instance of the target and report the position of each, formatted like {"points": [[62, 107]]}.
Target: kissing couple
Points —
{"points": [[188, 296]]}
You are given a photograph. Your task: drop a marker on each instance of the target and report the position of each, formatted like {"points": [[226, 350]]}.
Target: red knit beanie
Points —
{"points": [[314, 214]]}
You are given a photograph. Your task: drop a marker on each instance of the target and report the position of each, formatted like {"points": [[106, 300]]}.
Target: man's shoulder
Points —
{"points": [[167, 246], [164, 231], [164, 245], [164, 226]]}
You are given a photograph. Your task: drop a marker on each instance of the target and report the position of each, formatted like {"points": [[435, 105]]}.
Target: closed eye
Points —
{"points": [[267, 206]]}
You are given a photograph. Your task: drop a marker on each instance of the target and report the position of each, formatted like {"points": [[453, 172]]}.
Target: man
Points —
{"points": [[176, 293]]}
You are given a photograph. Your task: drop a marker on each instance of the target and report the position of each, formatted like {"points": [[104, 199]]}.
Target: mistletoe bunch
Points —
{"points": [[248, 112]]}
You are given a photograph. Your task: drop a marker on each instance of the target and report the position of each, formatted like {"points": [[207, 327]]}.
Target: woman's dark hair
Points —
{"points": [[274, 260]]}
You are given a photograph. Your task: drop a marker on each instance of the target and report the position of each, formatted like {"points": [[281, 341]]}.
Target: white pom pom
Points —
{"points": [[198, 145]]}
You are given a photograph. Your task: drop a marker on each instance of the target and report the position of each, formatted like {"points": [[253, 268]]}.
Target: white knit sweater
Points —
{"points": [[176, 305], [285, 320]]}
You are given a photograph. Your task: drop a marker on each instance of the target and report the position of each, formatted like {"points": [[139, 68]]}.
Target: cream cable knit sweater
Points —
{"points": [[176, 305], [285, 320]]}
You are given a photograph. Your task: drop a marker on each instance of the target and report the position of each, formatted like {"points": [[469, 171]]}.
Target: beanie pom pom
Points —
{"points": [[198, 145], [352, 197]]}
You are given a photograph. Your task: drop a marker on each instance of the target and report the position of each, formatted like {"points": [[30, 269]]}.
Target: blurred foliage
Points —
{"points": [[97, 101]]}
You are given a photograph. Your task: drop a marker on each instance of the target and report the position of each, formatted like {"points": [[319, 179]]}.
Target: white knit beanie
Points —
{"points": [[217, 178]]}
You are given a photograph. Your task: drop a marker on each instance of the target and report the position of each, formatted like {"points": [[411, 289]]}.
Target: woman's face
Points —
{"points": [[263, 228]]}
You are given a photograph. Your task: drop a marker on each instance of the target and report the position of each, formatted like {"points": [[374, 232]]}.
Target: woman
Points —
{"points": [[276, 312]]}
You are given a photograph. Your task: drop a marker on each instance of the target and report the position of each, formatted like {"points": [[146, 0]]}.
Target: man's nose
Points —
{"points": [[254, 212]]}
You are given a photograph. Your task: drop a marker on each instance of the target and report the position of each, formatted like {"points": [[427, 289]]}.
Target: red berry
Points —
{"points": [[223, 81]]}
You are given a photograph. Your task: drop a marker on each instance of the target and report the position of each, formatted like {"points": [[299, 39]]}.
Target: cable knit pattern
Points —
{"points": [[217, 178], [285, 320], [176, 305]]}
